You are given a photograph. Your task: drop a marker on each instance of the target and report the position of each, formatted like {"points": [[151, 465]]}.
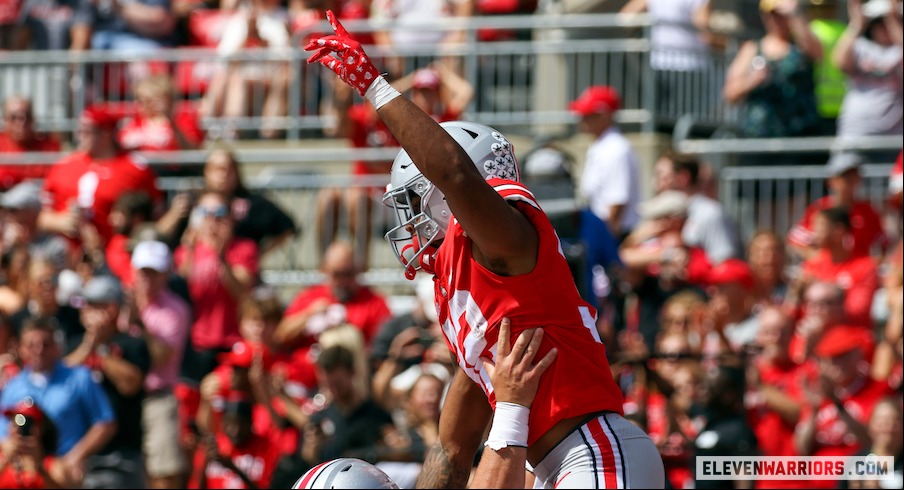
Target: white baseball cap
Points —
{"points": [[152, 255]]}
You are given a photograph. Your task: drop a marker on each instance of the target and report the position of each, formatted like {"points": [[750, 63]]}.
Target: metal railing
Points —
{"points": [[775, 198], [522, 83]]}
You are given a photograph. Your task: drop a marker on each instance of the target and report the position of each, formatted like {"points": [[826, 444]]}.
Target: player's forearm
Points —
{"points": [[501, 469], [437, 154], [443, 469]]}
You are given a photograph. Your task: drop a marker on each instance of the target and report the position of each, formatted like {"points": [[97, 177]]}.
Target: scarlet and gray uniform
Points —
{"points": [[471, 302]]}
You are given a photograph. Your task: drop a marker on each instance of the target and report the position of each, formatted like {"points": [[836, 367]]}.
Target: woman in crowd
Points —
{"points": [[256, 217], [773, 76]]}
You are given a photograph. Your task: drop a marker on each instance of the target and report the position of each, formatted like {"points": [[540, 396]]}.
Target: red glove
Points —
{"points": [[353, 66]]}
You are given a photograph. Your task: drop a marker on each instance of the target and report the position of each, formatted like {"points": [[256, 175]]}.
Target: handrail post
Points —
{"points": [[648, 83], [293, 107]]}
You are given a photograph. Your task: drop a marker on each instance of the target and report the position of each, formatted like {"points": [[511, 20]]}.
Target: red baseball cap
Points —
{"points": [[27, 408], [842, 339], [99, 116], [596, 99], [243, 352], [732, 270]]}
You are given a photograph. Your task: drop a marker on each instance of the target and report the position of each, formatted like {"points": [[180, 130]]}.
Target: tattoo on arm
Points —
{"points": [[440, 472]]}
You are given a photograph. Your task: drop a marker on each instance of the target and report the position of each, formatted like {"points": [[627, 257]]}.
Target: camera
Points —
{"points": [[24, 424]]}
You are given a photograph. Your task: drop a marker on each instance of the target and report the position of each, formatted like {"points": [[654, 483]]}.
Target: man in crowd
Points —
{"points": [[69, 396], [121, 362], [835, 262], [80, 189], [340, 299], [837, 405], [163, 319], [19, 136], [774, 384], [610, 178], [843, 181], [707, 226]]}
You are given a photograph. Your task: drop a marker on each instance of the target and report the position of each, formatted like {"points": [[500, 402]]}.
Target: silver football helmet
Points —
{"points": [[345, 473], [421, 208]]}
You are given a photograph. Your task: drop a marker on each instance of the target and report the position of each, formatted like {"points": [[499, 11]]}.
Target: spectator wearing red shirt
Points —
{"points": [[838, 405], [19, 136], [234, 378], [438, 91], [340, 299], [843, 182], [82, 187], [236, 457], [857, 275], [27, 457], [220, 269], [157, 125], [773, 396]]}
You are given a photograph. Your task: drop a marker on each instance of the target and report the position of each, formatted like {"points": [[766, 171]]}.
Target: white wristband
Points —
{"points": [[380, 92], [509, 426]]}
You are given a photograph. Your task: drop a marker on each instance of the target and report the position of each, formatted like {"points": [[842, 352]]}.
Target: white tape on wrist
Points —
{"points": [[380, 93], [509, 426]]}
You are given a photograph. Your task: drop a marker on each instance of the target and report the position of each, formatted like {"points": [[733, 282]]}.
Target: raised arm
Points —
{"points": [[505, 239]]}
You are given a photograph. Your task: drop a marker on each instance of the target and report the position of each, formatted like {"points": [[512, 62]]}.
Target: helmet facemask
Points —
{"points": [[423, 216]]}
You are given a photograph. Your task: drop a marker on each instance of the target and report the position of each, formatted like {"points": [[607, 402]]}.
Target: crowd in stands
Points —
{"points": [[140, 348]]}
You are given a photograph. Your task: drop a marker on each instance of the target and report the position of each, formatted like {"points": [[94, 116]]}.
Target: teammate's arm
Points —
{"points": [[462, 424], [516, 380], [505, 239]]}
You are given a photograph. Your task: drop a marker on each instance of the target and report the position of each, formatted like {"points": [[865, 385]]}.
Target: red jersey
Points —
{"points": [[11, 175], [143, 134], [866, 226], [119, 259], [10, 477], [365, 310], [858, 277], [675, 445], [472, 301], [216, 324], [95, 185], [256, 458], [832, 435]]}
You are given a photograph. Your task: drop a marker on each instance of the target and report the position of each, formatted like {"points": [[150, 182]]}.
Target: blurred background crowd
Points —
{"points": [[142, 343]]}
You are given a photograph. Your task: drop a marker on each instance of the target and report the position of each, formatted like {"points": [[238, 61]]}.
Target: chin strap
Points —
{"points": [[425, 260]]}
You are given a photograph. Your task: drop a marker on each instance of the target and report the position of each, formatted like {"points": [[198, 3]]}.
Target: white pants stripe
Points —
{"points": [[606, 452]]}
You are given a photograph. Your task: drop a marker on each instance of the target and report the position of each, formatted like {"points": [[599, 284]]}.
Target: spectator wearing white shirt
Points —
{"points": [[707, 225], [610, 180], [869, 52]]}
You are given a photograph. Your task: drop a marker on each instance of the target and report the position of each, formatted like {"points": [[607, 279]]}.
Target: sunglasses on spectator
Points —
{"points": [[343, 273], [16, 116], [218, 212]]}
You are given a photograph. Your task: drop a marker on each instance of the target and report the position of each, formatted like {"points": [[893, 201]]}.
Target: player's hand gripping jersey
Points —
{"points": [[472, 301]]}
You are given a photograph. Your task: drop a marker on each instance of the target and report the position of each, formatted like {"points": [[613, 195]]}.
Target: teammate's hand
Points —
{"points": [[514, 376], [351, 62]]}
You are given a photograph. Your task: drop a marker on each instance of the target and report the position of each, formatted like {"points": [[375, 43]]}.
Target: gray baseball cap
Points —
{"points": [[24, 195], [842, 161], [103, 289]]}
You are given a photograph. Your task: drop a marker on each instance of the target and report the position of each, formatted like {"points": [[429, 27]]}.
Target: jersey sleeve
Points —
{"points": [[801, 235], [514, 192]]}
